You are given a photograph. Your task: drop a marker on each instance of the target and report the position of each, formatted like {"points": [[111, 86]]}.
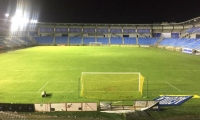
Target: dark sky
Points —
{"points": [[112, 11]]}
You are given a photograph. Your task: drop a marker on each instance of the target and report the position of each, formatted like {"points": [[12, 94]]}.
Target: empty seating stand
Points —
{"points": [[26, 40], [61, 40], [129, 40], [115, 40], [194, 29], [87, 40], [44, 40], [75, 40], [191, 43], [103, 40], [147, 41]]}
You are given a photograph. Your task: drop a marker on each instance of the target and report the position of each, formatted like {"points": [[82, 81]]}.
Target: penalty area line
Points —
{"points": [[43, 86], [173, 87]]}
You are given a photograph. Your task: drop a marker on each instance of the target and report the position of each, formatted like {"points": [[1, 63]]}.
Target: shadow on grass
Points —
{"points": [[48, 95]]}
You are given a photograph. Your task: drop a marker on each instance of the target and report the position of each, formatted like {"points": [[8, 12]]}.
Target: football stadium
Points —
{"points": [[51, 67]]}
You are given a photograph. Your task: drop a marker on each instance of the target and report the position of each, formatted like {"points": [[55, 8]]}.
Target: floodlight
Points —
{"points": [[24, 21], [33, 21], [7, 15]]}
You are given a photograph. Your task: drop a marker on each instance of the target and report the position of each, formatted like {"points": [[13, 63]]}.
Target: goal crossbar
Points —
{"points": [[95, 43], [110, 73]]}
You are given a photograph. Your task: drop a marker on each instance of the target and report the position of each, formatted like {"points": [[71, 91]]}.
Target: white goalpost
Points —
{"points": [[111, 84], [95, 43]]}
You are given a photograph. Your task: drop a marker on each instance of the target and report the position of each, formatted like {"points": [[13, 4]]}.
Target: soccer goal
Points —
{"points": [[111, 85], [95, 44]]}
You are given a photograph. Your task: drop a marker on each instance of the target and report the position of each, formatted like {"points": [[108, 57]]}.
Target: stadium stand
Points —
{"points": [[187, 42], [44, 40], [88, 30], [61, 40], [167, 41], [174, 35], [61, 30], [75, 30], [115, 40], [129, 30], [116, 30], [129, 40], [117, 34], [193, 29], [87, 40], [102, 30], [26, 40], [192, 43], [46, 30], [156, 35], [143, 30], [196, 45], [75, 40], [103, 40], [147, 41], [33, 33]]}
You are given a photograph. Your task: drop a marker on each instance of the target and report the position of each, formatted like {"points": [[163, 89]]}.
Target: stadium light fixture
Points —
{"points": [[33, 21], [7, 15]]}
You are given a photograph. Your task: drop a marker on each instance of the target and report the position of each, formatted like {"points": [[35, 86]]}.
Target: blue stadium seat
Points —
{"points": [[44, 40], [147, 41], [103, 40], [75, 30], [192, 43], [156, 35], [129, 40], [143, 30], [87, 40], [129, 30], [115, 40], [116, 30], [195, 44], [187, 42], [167, 41], [175, 35], [194, 29], [75, 40], [61, 40], [102, 30], [26, 40]]}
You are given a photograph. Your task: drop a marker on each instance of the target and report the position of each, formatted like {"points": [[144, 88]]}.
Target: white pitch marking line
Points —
{"points": [[43, 86], [173, 87]]}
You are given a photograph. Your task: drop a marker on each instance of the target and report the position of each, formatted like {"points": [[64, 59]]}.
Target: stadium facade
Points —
{"points": [[177, 35]]}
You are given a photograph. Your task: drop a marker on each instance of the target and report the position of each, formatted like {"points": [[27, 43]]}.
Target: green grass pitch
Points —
{"points": [[110, 85], [25, 73]]}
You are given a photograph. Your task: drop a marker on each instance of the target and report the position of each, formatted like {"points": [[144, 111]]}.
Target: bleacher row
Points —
{"points": [[192, 43], [14, 41], [103, 40], [176, 42]]}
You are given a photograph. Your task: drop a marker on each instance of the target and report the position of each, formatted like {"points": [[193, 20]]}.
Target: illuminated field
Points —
{"points": [[25, 73], [110, 85]]}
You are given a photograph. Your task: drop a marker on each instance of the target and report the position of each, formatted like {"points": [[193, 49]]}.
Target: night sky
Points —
{"points": [[111, 11]]}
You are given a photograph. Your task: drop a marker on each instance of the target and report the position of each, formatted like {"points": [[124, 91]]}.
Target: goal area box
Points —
{"points": [[111, 85]]}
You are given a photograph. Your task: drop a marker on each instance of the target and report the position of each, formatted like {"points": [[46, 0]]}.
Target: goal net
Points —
{"points": [[95, 43], [111, 85]]}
